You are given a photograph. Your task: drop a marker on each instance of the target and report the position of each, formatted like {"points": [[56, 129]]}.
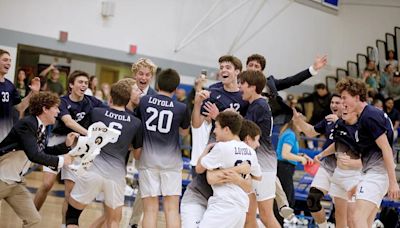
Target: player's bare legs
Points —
{"points": [[171, 210], [47, 184], [251, 215], [69, 185], [267, 216], [151, 207]]}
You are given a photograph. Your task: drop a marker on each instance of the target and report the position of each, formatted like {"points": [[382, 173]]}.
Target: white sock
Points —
{"points": [[323, 225]]}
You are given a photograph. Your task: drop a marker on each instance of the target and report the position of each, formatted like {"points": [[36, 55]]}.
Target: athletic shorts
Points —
{"points": [[153, 182], [221, 213], [265, 189], [343, 181], [90, 184], [68, 174], [373, 187], [322, 180], [192, 214]]}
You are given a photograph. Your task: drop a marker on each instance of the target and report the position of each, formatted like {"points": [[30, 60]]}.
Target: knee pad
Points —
{"points": [[72, 215], [314, 199]]}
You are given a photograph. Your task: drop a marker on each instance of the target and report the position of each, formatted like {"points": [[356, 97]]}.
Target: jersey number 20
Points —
{"points": [[163, 124]]}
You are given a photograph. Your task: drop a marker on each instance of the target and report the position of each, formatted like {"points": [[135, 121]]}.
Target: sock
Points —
{"points": [[323, 225]]}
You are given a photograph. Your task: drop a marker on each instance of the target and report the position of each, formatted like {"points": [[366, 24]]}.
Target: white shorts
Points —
{"points": [[322, 180], [154, 182], [54, 140], [265, 189], [192, 214], [343, 181], [223, 214], [90, 184], [373, 187], [68, 174]]}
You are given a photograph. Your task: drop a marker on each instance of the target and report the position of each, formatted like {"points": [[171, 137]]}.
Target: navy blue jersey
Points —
{"points": [[111, 162], [372, 123], [9, 97], [77, 110], [326, 128], [260, 113], [161, 119], [224, 99], [343, 136], [216, 85]]}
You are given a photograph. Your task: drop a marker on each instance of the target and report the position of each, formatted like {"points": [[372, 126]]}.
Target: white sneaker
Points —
{"points": [[286, 212]]}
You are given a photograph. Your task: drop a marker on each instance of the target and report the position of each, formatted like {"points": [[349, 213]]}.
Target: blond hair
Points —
{"points": [[143, 62]]}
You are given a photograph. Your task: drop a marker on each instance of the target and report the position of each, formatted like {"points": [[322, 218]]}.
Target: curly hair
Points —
{"points": [[42, 99], [354, 87], [143, 62]]}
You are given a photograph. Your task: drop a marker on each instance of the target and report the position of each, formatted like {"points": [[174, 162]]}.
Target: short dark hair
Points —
{"points": [[74, 75], [168, 80], [335, 95], [320, 86], [259, 58], [388, 99], [42, 99], [237, 64], [230, 119], [253, 78], [120, 93], [353, 87], [249, 128], [4, 52]]}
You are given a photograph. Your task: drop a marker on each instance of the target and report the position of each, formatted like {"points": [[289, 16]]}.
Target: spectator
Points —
{"points": [[386, 77], [53, 83], [393, 114], [321, 101], [288, 157], [371, 76], [181, 95], [377, 104], [21, 83], [105, 89], [391, 59], [91, 90], [394, 89]]}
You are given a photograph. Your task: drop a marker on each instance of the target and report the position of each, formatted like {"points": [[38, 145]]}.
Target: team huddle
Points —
{"points": [[234, 174]]}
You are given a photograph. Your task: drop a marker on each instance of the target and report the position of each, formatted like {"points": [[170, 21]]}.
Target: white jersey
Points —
{"points": [[227, 155], [199, 141]]}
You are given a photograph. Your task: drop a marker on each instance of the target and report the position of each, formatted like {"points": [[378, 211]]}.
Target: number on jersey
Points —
{"points": [[5, 96], [159, 121], [235, 106]]}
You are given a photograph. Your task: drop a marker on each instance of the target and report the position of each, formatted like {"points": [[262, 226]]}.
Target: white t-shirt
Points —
{"points": [[199, 141], [227, 155]]}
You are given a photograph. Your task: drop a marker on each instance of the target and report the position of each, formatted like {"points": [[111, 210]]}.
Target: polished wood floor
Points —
{"points": [[51, 210]]}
